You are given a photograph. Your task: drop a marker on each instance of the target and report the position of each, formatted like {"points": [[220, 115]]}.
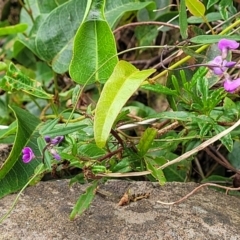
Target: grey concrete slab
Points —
{"points": [[43, 213]]}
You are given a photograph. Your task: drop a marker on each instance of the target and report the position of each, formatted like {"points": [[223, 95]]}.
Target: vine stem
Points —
{"points": [[145, 23], [196, 189], [29, 11]]}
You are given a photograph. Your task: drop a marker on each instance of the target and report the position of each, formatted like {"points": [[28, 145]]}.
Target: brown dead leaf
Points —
{"points": [[136, 197], [125, 199]]}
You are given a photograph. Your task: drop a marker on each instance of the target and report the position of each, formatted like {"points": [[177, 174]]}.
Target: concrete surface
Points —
{"points": [[43, 213]]}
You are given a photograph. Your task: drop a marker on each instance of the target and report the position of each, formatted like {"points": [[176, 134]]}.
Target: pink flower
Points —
{"points": [[231, 85], [28, 154], [225, 44], [220, 65]]}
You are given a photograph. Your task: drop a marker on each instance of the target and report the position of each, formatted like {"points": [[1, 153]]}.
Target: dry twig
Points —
{"points": [[196, 189]]}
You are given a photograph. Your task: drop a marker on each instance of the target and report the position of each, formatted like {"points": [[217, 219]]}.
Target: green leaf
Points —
{"points": [[123, 82], [146, 140], [205, 39], [177, 172], [91, 150], [24, 131], [217, 178], [159, 88], [183, 19], [46, 6], [54, 40], [205, 128], [190, 86], [29, 40], [156, 173], [146, 34], [9, 131], [18, 28], [226, 9], [114, 10], [196, 8], [63, 129], [211, 3], [228, 104], [226, 140], [16, 80], [3, 66], [233, 156], [14, 174], [125, 165], [94, 52], [192, 53], [216, 97], [202, 87], [178, 115], [48, 126], [176, 84], [210, 17], [84, 200]]}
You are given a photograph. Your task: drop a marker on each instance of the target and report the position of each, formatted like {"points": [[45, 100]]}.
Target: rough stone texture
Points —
{"points": [[43, 213]]}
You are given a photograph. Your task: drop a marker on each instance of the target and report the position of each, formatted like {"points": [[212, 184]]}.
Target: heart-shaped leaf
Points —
{"points": [[94, 52], [56, 23], [114, 10], [55, 35]]}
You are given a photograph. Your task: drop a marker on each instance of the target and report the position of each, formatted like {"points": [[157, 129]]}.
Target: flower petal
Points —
{"points": [[26, 150], [227, 43], [217, 65], [57, 156], [231, 86], [57, 140], [47, 139], [230, 64], [28, 155]]}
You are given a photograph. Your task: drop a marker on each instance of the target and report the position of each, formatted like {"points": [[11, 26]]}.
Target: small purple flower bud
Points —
{"points": [[231, 85], [54, 141], [28, 154], [55, 154], [230, 64], [57, 140], [47, 139], [225, 44]]}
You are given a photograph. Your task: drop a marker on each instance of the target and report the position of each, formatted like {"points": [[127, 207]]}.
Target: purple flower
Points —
{"points": [[57, 140], [28, 154], [55, 154], [231, 85], [51, 142], [54, 141], [225, 44], [220, 65], [47, 139]]}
